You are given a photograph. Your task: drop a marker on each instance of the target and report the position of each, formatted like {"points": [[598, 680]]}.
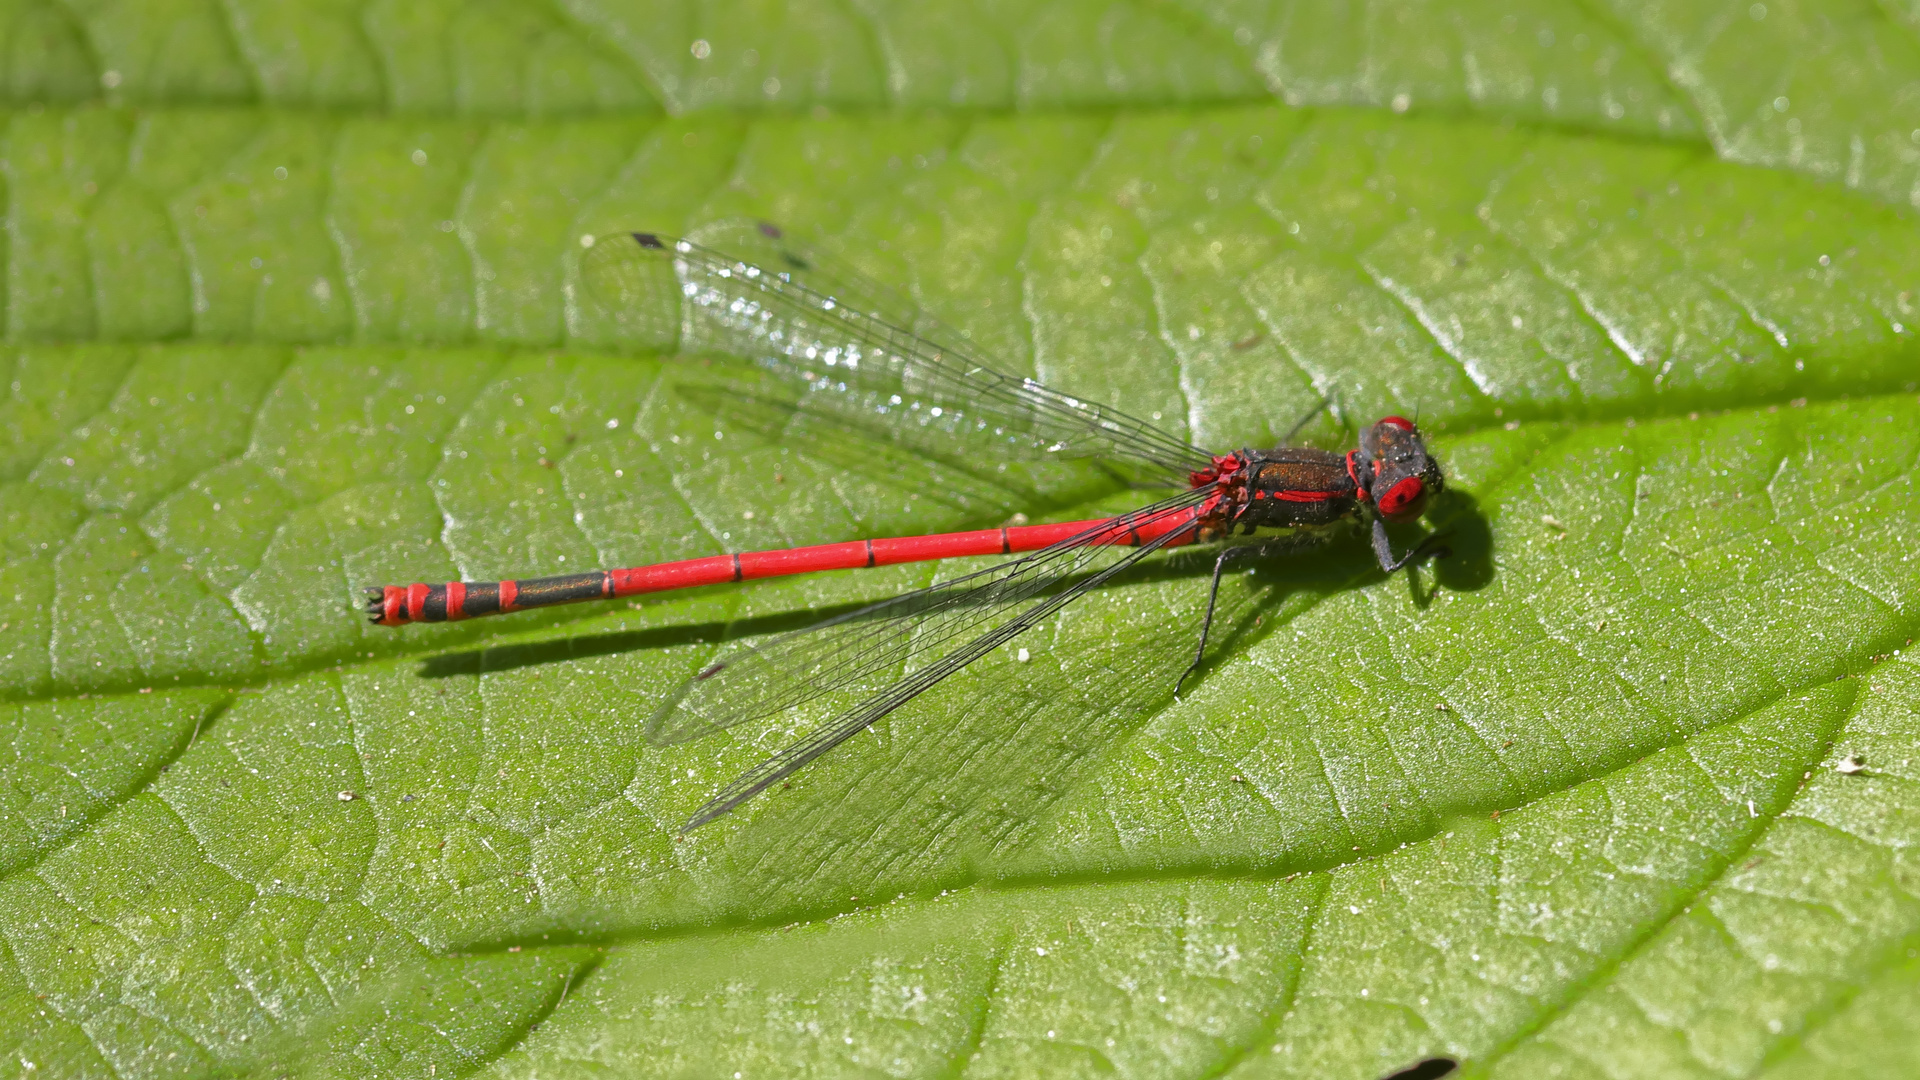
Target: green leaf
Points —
{"points": [[1824, 89], [294, 307]]}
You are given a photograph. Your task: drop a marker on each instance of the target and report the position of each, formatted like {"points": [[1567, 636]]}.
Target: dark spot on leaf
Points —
{"points": [[1430, 1069]]}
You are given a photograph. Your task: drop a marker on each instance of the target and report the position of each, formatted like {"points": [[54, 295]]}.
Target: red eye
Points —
{"points": [[1402, 496], [1400, 422]]}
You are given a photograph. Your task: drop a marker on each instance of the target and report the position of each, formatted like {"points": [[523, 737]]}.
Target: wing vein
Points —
{"points": [[873, 708]]}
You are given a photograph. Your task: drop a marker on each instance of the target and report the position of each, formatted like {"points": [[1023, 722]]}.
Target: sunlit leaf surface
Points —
{"points": [[1622, 788]]}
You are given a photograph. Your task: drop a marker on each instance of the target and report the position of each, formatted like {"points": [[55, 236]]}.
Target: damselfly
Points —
{"points": [[852, 343]]}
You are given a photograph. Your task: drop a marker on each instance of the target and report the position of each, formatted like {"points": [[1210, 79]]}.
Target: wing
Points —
{"points": [[928, 634], [856, 344], [876, 642]]}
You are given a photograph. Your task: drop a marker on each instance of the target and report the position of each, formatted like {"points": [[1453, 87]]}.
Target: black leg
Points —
{"points": [[1287, 439], [1213, 597], [1244, 551], [1383, 550]]}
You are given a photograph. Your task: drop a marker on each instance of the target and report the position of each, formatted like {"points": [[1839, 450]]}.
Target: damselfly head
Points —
{"points": [[1404, 475]]}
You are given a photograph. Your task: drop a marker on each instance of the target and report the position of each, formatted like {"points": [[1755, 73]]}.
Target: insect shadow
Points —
{"points": [[1467, 535], [975, 769], [860, 443], [1281, 587], [1325, 570], [494, 658]]}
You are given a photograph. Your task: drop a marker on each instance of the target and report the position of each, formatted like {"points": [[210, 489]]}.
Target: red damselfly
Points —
{"points": [[857, 346]]}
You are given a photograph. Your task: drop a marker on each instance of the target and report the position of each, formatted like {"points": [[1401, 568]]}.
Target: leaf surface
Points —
{"points": [[1565, 802]]}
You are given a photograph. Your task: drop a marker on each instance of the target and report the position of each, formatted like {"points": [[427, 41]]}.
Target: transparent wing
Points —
{"points": [[930, 633], [875, 643], [855, 343]]}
